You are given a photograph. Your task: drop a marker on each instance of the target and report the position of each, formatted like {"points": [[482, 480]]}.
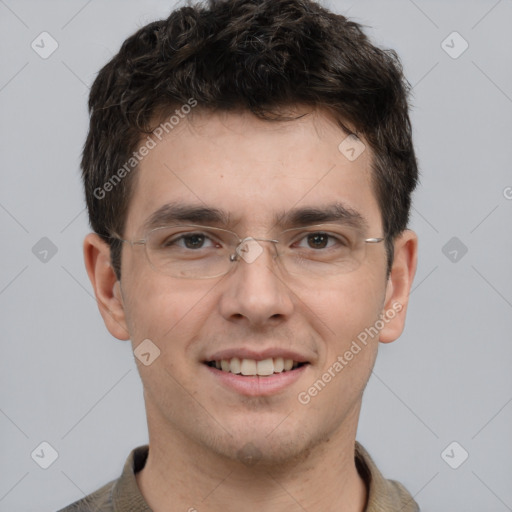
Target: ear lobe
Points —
{"points": [[106, 286], [399, 286]]}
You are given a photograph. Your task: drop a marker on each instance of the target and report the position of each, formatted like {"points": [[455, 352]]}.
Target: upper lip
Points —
{"points": [[258, 355]]}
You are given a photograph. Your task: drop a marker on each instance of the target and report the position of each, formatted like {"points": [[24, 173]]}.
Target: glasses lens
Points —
{"points": [[196, 252], [189, 251], [322, 250]]}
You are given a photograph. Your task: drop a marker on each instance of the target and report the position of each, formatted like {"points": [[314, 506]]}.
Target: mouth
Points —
{"points": [[252, 367], [267, 372]]}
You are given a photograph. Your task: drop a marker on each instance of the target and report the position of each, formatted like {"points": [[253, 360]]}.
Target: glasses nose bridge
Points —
{"points": [[249, 249]]}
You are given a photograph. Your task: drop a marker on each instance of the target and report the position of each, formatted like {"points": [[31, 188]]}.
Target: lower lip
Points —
{"points": [[256, 385]]}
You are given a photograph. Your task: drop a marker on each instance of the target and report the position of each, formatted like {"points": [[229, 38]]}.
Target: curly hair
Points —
{"points": [[255, 55]]}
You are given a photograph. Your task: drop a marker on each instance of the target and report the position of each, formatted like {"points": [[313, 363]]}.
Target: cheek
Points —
{"points": [[341, 310], [167, 311], [344, 317]]}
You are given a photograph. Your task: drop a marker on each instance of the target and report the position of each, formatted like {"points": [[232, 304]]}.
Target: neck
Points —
{"points": [[180, 472]]}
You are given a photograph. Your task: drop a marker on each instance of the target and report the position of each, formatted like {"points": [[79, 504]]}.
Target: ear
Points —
{"points": [[106, 286], [399, 285]]}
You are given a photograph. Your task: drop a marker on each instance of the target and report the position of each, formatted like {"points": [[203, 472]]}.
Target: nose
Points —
{"points": [[254, 291]]}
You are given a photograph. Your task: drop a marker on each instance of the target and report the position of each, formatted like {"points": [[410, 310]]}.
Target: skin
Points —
{"points": [[201, 432]]}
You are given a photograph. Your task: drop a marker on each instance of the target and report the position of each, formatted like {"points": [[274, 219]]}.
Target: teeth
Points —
{"points": [[252, 367], [265, 367], [278, 364], [234, 365], [248, 367]]}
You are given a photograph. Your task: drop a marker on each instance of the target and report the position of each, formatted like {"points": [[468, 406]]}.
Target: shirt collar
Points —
{"points": [[383, 495]]}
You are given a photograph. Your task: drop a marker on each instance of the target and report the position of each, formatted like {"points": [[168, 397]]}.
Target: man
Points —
{"points": [[248, 175]]}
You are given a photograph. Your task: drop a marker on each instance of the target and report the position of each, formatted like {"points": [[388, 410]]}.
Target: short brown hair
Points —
{"points": [[257, 55]]}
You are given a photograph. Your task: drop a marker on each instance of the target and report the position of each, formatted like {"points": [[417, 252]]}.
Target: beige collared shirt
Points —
{"points": [[123, 495]]}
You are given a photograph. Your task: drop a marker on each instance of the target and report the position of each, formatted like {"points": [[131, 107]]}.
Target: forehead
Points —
{"points": [[253, 171]]}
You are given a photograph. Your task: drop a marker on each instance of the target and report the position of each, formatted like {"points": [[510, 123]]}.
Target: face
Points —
{"points": [[258, 173]]}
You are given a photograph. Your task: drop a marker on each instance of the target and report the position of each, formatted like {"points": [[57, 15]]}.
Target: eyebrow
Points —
{"points": [[336, 212], [179, 212], [171, 213]]}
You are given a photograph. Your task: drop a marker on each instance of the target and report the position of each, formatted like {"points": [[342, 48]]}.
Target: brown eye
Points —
{"points": [[318, 240], [194, 241]]}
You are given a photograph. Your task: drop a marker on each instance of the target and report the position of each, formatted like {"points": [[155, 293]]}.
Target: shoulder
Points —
{"points": [[117, 494], [383, 495], [396, 494], [99, 501]]}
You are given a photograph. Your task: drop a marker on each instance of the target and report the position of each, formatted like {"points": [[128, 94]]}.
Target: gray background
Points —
{"points": [[66, 381]]}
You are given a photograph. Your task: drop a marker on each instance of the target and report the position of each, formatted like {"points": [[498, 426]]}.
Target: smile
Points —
{"points": [[252, 367]]}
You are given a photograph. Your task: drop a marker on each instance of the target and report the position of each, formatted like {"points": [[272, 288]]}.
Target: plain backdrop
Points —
{"points": [[66, 382]]}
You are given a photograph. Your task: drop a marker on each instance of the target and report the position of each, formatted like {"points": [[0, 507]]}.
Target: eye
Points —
{"points": [[191, 241], [320, 240]]}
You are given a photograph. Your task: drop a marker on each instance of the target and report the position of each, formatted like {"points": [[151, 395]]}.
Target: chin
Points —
{"points": [[268, 447]]}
